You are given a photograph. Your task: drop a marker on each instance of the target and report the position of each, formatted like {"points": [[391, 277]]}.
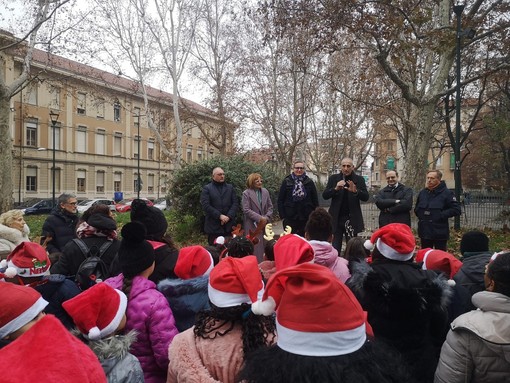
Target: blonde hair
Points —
{"points": [[10, 216], [250, 181]]}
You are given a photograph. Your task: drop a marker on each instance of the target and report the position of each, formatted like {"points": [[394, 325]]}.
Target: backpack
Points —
{"points": [[93, 269]]}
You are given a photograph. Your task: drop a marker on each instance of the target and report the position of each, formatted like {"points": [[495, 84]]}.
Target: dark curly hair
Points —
{"points": [[258, 330], [499, 271], [319, 226], [269, 249], [239, 247]]}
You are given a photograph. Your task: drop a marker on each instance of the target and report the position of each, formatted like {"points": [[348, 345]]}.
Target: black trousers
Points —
{"points": [[439, 244]]}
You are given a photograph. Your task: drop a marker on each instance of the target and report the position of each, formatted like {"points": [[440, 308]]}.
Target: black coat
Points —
{"points": [[297, 210], [61, 227], [355, 215], [433, 208], [391, 211], [217, 199]]}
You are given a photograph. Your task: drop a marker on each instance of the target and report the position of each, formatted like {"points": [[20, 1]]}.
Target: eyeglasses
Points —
{"points": [[298, 168], [72, 203]]}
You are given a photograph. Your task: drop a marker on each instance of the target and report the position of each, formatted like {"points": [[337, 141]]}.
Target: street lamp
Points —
{"points": [[139, 179], [458, 8], [54, 120]]}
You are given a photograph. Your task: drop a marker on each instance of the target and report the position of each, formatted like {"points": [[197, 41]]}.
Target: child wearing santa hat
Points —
{"points": [[100, 315], [31, 265], [216, 347], [148, 311], [187, 295], [407, 306], [322, 331], [39, 348]]}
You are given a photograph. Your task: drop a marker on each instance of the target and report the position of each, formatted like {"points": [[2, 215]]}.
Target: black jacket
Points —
{"points": [[217, 199], [297, 210], [355, 215], [61, 227], [391, 211], [433, 208]]}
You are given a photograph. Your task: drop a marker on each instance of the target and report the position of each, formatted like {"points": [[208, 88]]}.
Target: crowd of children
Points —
{"points": [[381, 312]]}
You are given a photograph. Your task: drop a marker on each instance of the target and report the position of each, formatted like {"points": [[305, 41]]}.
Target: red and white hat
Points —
{"points": [[316, 314], [394, 241], [291, 250], [438, 260], [30, 260], [97, 311], [19, 305], [193, 261], [235, 281]]}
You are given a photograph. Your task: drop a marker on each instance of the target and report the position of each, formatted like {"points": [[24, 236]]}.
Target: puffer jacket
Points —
{"points": [[327, 255], [150, 315], [477, 348], [118, 364], [10, 238], [186, 297], [472, 272], [61, 227]]}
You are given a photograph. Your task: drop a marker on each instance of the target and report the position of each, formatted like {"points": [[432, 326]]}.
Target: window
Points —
{"points": [[80, 180], [31, 179], [189, 155], [32, 93], [81, 139], [100, 107], [116, 111], [117, 182], [54, 97], [150, 150], [100, 141], [199, 155], [150, 183], [439, 161], [390, 145], [58, 132], [136, 144], [377, 176], [100, 181], [82, 103], [31, 133], [117, 144]]}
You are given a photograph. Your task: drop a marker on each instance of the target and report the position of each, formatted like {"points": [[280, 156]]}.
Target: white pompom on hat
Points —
{"points": [[97, 311], [394, 241]]}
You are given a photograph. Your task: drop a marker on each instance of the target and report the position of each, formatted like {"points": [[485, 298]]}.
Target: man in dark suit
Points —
{"points": [[346, 190], [395, 201]]}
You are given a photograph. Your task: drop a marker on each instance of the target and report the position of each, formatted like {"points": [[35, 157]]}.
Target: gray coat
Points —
{"points": [[477, 348]]}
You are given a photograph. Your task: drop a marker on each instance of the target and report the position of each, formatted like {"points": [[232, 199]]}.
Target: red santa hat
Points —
{"points": [[193, 261], [97, 311], [291, 250], [30, 260], [439, 260], [20, 304], [394, 241], [234, 281], [316, 314]]}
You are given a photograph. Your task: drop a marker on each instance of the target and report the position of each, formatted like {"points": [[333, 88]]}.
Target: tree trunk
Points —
{"points": [[6, 186]]}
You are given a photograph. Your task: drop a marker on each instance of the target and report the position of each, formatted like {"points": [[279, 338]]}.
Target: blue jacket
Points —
{"points": [[433, 208]]}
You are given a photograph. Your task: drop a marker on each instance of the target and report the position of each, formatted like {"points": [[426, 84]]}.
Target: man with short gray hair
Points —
{"points": [[60, 226]]}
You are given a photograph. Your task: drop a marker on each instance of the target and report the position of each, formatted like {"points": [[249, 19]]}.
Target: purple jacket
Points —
{"points": [[327, 255], [149, 314]]}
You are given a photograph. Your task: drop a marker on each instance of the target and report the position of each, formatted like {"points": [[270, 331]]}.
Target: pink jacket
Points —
{"points": [[150, 315], [327, 255]]}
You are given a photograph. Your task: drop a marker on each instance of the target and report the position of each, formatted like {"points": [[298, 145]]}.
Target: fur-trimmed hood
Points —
{"points": [[14, 235]]}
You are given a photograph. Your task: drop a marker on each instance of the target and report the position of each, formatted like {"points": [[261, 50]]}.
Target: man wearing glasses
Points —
{"points": [[395, 201], [59, 227], [297, 199], [346, 189]]}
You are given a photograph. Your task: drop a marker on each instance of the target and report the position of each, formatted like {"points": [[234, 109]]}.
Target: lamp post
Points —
{"points": [[139, 179], [54, 120]]}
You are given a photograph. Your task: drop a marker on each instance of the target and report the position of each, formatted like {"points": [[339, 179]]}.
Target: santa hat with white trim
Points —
{"points": [[193, 261], [291, 250], [19, 305], [235, 281], [439, 260], [394, 241], [30, 260], [98, 311], [316, 314]]}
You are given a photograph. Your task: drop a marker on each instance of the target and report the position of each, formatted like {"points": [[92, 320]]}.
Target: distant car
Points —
{"points": [[84, 205], [125, 205], [43, 206], [161, 204]]}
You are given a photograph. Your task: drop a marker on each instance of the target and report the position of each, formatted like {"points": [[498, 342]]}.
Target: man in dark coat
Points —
{"points": [[59, 227], [297, 198], [220, 203], [435, 204], [346, 190], [395, 201]]}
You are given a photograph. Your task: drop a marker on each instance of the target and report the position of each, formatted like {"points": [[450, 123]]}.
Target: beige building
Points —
{"points": [[101, 136]]}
